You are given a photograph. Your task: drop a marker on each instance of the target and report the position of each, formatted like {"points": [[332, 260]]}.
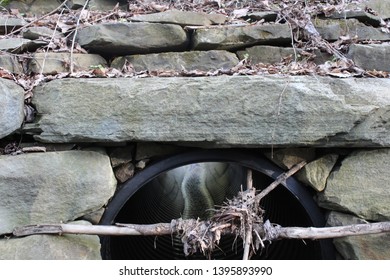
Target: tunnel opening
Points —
{"points": [[149, 197]]}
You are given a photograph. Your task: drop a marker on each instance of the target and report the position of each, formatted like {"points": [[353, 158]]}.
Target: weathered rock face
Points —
{"points": [[18, 45], [52, 187], [129, 38], [35, 32], [10, 63], [363, 247], [371, 57], [196, 60], [316, 173], [11, 104], [265, 54], [53, 63], [232, 38], [316, 111], [8, 24], [49, 247], [360, 186], [182, 18], [331, 30]]}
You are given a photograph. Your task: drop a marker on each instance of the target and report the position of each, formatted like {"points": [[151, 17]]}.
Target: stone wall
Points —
{"points": [[156, 84]]}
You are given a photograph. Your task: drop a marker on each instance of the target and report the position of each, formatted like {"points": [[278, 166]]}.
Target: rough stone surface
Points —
{"points": [[124, 172], [11, 104], [18, 45], [121, 155], [316, 173], [287, 158], [360, 186], [104, 5], [54, 63], [182, 18], [318, 111], [37, 7], [371, 57], [51, 247], [36, 32], [233, 38], [10, 63], [379, 6], [52, 187], [362, 16], [129, 38], [331, 30], [195, 60], [8, 24], [363, 247], [265, 54]]}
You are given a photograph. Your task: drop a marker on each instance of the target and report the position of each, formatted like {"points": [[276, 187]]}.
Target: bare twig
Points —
{"points": [[248, 226], [281, 178], [75, 35]]}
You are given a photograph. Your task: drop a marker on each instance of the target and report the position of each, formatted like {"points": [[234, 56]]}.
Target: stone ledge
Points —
{"points": [[217, 111]]}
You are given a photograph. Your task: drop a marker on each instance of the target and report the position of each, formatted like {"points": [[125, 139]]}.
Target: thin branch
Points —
{"points": [[281, 178], [75, 35], [248, 227]]}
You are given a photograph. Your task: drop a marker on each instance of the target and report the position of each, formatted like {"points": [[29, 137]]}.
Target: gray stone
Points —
{"points": [[379, 6], [153, 150], [360, 186], [236, 37], [371, 57], [76, 4], [8, 24], [209, 111], [362, 16], [182, 18], [265, 54], [19, 45], [95, 216], [37, 32], [195, 60], [37, 7], [363, 247], [104, 5], [287, 158], [51, 247], [316, 173], [54, 63], [10, 63], [52, 187], [130, 38], [331, 30], [124, 172], [121, 155], [11, 104]]}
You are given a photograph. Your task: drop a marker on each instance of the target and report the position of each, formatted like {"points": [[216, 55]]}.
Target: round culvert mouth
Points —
{"points": [[144, 200]]}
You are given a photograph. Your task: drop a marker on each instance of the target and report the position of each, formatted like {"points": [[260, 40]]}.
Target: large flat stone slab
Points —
{"points": [[52, 187], [178, 61], [182, 18], [129, 38], [11, 104], [237, 37], [217, 111]]}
